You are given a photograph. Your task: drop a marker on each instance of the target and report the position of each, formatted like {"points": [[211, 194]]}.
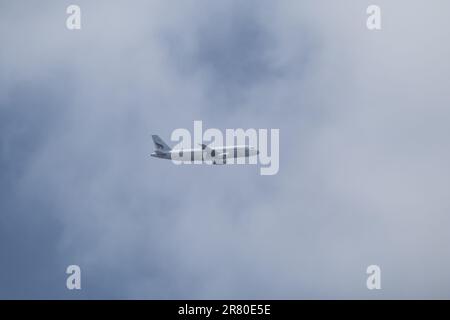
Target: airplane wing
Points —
{"points": [[219, 157], [207, 149]]}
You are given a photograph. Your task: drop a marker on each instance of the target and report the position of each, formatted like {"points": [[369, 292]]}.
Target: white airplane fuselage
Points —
{"points": [[228, 151], [217, 155]]}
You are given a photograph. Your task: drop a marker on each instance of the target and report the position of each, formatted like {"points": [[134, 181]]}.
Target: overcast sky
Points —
{"points": [[364, 149]]}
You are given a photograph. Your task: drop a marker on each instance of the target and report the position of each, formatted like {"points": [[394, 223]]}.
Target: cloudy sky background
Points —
{"points": [[364, 149]]}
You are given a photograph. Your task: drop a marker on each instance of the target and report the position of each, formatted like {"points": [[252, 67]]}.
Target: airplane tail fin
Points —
{"points": [[160, 145]]}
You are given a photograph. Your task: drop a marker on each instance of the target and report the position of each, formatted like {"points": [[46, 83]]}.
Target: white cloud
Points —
{"points": [[363, 146]]}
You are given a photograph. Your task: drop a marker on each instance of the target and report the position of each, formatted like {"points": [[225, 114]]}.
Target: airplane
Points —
{"points": [[218, 155]]}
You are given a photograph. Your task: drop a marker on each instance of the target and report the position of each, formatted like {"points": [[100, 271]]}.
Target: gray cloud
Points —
{"points": [[364, 150]]}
